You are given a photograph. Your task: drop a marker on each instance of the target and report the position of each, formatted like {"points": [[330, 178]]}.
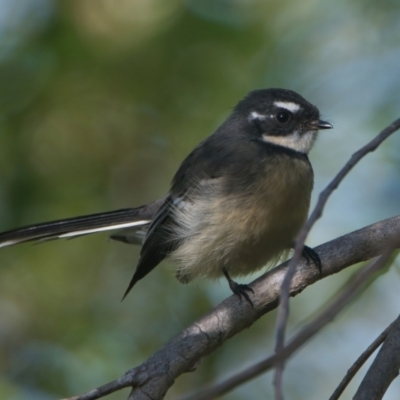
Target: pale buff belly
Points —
{"points": [[243, 235]]}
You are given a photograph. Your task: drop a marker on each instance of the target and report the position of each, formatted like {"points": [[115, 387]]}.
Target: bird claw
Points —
{"points": [[311, 255], [239, 289]]}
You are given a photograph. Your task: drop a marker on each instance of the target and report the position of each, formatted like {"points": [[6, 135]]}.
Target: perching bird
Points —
{"points": [[236, 203]]}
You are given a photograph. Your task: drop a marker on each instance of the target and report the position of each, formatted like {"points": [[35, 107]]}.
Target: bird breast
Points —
{"points": [[246, 229]]}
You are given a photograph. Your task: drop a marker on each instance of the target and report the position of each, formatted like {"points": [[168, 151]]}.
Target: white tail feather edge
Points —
{"points": [[77, 233]]}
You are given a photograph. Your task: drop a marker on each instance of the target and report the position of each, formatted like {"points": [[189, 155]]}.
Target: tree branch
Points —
{"points": [[384, 368], [183, 353]]}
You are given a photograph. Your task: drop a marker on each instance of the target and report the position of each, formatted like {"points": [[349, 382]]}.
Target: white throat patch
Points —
{"points": [[301, 143], [287, 105]]}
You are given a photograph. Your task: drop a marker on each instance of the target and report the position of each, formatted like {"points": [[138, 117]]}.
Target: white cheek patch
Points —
{"points": [[287, 105], [255, 115], [295, 141]]}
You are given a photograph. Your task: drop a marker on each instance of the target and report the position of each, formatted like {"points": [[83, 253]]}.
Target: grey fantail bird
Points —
{"points": [[236, 203]]}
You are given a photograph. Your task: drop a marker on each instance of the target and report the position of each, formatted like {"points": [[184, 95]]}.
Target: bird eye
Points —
{"points": [[283, 116]]}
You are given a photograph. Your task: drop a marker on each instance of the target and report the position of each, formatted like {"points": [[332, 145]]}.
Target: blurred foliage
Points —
{"points": [[99, 103]]}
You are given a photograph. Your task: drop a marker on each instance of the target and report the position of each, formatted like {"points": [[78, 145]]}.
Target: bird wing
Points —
{"points": [[158, 243], [206, 162]]}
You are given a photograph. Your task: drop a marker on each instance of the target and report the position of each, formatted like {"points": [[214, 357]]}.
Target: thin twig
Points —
{"points": [[383, 369], [338, 303], [359, 363], [283, 311], [104, 390]]}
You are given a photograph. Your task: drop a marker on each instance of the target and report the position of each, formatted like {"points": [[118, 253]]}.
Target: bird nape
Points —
{"points": [[236, 203]]}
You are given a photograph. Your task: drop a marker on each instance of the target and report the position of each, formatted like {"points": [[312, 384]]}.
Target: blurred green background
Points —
{"points": [[100, 100]]}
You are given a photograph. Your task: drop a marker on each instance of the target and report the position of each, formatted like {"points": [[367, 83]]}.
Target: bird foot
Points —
{"points": [[239, 289], [311, 255]]}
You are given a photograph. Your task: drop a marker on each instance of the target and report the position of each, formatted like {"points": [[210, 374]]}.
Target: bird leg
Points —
{"points": [[238, 289]]}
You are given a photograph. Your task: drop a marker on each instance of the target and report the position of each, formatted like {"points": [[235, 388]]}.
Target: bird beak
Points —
{"points": [[323, 125]]}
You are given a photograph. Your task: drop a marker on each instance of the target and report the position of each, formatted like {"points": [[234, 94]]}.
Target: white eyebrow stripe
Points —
{"points": [[287, 105], [256, 115]]}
